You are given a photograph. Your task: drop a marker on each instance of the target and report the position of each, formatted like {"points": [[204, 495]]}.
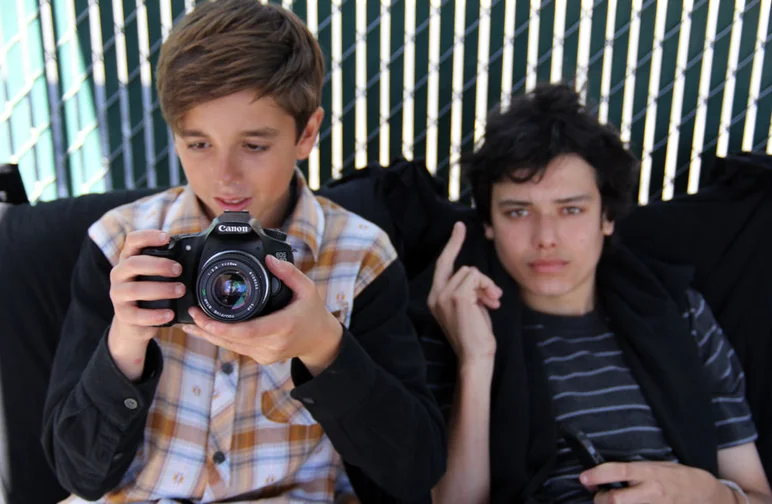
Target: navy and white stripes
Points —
{"points": [[594, 390]]}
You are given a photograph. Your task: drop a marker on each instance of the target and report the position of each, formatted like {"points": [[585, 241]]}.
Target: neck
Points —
{"points": [[577, 302]]}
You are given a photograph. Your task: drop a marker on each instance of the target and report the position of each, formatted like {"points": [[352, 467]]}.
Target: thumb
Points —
{"points": [[292, 277]]}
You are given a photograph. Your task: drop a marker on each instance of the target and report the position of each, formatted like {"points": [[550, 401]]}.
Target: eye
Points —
{"points": [[573, 210], [198, 145], [517, 213], [255, 147]]}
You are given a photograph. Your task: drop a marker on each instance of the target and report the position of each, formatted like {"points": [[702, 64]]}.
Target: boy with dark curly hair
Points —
{"points": [[550, 328]]}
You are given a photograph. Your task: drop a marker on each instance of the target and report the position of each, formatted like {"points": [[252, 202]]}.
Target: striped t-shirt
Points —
{"points": [[593, 390]]}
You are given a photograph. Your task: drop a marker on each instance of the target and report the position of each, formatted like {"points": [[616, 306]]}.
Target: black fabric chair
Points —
{"points": [[38, 248], [725, 233], [39, 245]]}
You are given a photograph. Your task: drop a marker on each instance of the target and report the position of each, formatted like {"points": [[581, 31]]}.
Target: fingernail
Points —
{"points": [[272, 260], [179, 289], [177, 269], [163, 236]]}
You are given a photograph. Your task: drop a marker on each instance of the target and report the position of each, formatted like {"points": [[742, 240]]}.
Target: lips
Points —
{"points": [[548, 265], [233, 204]]}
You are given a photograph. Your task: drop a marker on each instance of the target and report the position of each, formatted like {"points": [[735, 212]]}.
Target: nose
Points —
{"points": [[226, 170], [545, 234]]}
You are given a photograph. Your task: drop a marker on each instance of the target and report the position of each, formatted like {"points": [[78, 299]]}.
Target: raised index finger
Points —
{"points": [[443, 270]]}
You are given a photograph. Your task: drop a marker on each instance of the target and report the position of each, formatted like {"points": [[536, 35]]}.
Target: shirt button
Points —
{"points": [[227, 368], [218, 457], [130, 403]]}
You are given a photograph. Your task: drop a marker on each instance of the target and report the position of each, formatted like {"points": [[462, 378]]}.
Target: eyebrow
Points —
{"points": [[560, 201], [262, 132]]}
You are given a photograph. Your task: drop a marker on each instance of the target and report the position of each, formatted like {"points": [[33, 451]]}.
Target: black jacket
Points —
{"points": [[725, 232], [644, 302], [372, 401], [729, 269]]}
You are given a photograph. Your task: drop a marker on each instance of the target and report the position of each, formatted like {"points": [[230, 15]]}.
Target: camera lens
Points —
{"points": [[232, 286], [231, 290]]}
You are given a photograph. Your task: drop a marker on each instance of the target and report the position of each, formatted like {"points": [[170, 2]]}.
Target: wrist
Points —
{"points": [[479, 367], [326, 349], [734, 493], [128, 354], [118, 341], [477, 361]]}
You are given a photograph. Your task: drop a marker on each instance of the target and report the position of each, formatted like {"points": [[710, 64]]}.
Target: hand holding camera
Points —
{"points": [[304, 328], [158, 278], [236, 286], [133, 326]]}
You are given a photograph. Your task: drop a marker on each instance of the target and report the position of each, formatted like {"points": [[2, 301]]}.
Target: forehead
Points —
{"points": [[565, 176], [240, 111]]}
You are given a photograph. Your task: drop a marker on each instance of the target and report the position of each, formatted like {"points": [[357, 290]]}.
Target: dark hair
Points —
{"points": [[545, 123], [227, 46]]}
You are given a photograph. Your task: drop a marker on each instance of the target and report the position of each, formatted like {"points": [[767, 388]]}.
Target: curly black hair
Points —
{"points": [[539, 126]]}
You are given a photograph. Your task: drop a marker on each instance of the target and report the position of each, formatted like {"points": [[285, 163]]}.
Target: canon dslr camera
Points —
{"points": [[224, 271]]}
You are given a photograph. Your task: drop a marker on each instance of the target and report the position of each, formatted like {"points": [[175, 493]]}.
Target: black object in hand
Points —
{"points": [[585, 451]]}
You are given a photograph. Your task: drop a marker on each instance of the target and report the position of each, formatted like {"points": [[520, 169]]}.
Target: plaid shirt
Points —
{"points": [[274, 449]]}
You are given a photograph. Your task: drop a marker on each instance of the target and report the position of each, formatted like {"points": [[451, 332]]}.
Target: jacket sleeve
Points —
{"points": [[373, 401], [726, 378], [94, 417]]}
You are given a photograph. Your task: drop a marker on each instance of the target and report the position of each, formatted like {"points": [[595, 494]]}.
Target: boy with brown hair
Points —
{"points": [[274, 406]]}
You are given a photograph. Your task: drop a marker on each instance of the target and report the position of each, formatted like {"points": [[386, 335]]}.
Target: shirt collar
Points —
{"points": [[306, 221]]}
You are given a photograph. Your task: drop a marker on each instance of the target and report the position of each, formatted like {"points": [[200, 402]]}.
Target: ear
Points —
{"points": [[607, 226], [488, 231], [310, 132]]}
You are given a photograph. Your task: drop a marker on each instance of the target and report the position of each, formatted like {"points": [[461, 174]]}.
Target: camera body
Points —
{"points": [[224, 271]]}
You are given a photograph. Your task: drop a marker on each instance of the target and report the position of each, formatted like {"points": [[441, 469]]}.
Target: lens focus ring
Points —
{"points": [[233, 286]]}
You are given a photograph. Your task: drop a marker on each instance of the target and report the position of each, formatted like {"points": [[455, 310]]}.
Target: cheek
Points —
{"points": [[280, 157], [509, 237], [582, 241], [269, 173], [585, 235], [194, 167], [585, 248], [512, 250]]}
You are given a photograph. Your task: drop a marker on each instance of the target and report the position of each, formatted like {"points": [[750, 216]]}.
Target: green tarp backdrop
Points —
{"points": [[684, 80]]}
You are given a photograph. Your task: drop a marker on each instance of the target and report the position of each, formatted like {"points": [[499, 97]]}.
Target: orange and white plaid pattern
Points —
{"points": [[274, 450]]}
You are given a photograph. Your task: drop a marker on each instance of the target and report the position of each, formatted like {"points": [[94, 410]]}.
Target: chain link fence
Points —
{"points": [[683, 80]]}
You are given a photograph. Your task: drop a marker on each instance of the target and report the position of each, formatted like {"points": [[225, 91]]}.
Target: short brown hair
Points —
{"points": [[227, 46]]}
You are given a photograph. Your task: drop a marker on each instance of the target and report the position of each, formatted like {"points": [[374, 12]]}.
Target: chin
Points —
{"points": [[550, 289]]}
